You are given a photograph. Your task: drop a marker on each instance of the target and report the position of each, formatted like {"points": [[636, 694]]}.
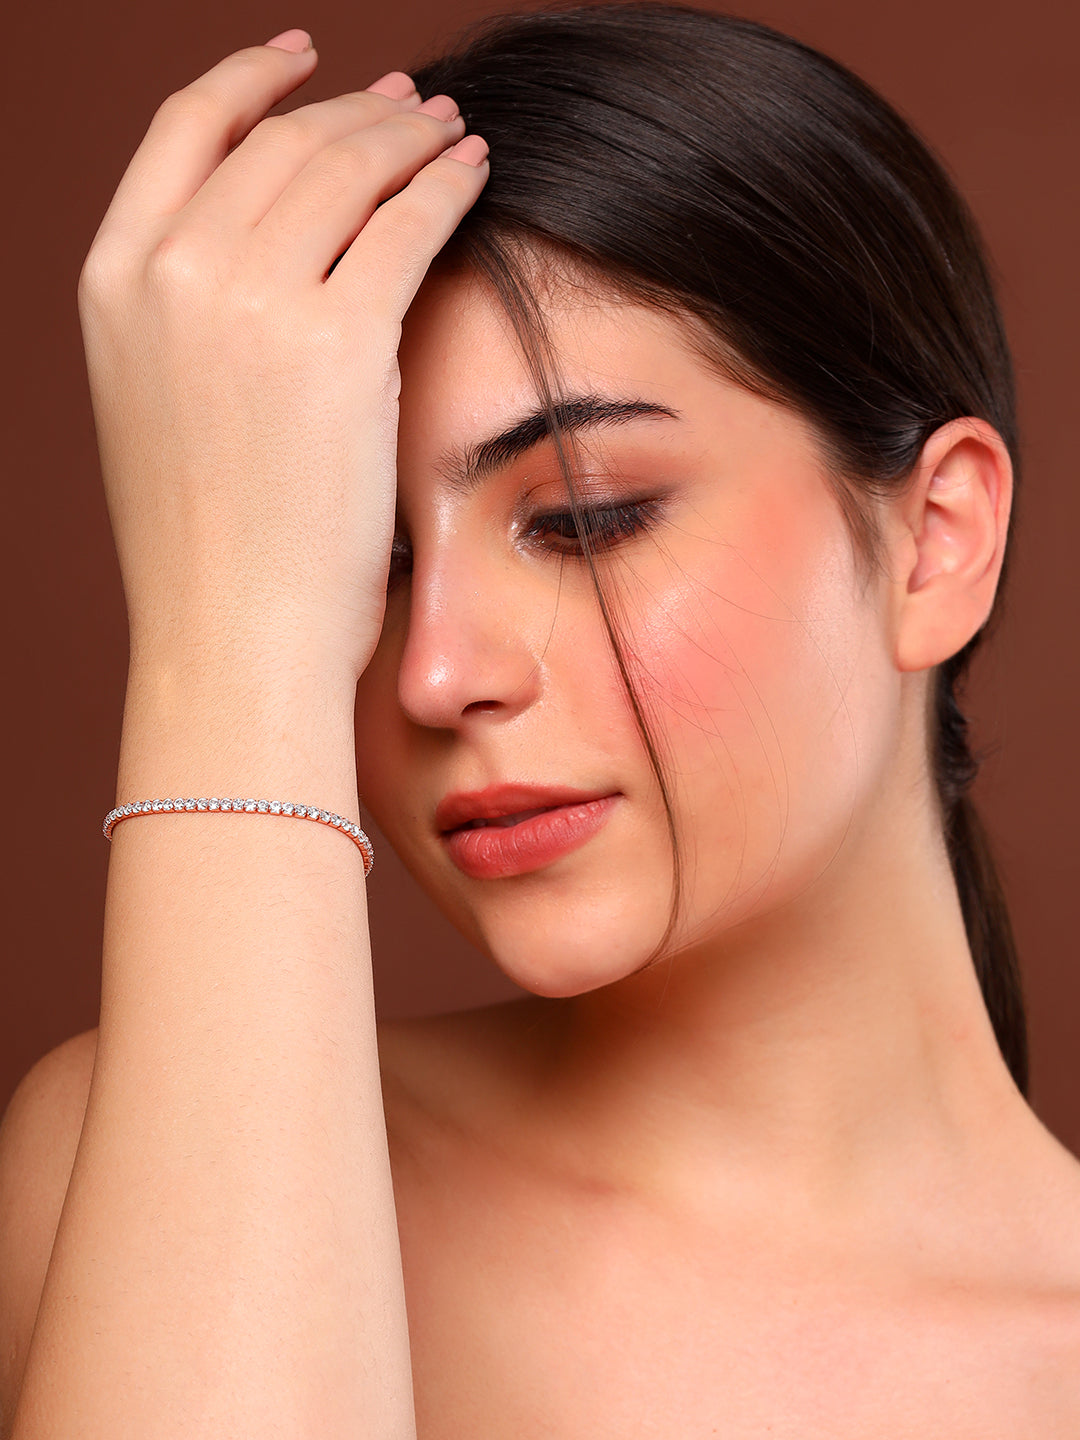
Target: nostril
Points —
{"points": [[482, 707]]}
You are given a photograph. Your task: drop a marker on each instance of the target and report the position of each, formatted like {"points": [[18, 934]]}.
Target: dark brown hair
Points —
{"points": [[735, 177]]}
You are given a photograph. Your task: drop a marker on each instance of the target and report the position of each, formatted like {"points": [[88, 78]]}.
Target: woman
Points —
{"points": [[650, 545]]}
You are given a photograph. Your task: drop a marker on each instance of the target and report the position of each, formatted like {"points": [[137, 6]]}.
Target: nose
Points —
{"points": [[475, 644]]}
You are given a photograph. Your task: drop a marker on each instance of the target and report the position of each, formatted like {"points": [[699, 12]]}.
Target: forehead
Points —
{"points": [[464, 373], [464, 376]]}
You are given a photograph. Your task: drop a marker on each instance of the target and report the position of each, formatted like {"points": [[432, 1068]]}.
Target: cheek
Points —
{"points": [[763, 675]]}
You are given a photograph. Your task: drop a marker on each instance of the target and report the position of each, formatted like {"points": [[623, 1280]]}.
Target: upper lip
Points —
{"points": [[459, 808]]}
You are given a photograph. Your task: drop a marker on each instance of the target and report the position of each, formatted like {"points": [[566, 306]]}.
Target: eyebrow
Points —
{"points": [[465, 466]]}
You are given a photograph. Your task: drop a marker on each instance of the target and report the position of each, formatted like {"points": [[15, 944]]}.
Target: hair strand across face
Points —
{"points": [[734, 177]]}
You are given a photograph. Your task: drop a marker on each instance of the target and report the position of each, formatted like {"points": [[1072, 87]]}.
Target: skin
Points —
{"points": [[779, 1183], [814, 1049], [223, 1256]]}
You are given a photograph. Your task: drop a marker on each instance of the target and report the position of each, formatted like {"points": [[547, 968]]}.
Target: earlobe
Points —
{"points": [[956, 515]]}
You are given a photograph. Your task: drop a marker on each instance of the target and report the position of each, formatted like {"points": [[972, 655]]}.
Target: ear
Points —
{"points": [[954, 520]]}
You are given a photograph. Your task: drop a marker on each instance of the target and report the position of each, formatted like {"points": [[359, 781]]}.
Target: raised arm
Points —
{"points": [[227, 1261]]}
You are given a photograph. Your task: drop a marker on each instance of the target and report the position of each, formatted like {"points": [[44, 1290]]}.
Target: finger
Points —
{"points": [[247, 183], [337, 192], [384, 266], [194, 128]]}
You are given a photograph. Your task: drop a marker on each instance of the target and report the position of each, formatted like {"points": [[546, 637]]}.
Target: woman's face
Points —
{"points": [[762, 662]]}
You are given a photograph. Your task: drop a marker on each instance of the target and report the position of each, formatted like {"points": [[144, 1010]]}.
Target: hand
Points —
{"points": [[246, 404]]}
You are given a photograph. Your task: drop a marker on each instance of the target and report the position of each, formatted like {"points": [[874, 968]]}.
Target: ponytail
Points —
{"points": [[982, 899]]}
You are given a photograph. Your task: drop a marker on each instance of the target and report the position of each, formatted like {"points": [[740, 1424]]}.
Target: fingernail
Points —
{"points": [[294, 40], [441, 106], [471, 150], [395, 86]]}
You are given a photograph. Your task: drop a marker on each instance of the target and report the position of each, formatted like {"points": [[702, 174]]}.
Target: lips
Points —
{"points": [[503, 804], [513, 829], [503, 821]]}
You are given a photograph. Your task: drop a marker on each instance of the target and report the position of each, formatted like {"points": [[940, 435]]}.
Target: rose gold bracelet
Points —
{"points": [[250, 807]]}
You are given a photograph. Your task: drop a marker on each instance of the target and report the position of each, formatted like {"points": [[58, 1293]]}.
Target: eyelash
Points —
{"points": [[605, 526]]}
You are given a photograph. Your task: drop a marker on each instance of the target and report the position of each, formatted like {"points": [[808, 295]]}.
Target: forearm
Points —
{"points": [[227, 1261]]}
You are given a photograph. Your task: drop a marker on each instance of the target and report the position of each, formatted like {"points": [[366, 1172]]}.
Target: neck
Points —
{"points": [[837, 1042]]}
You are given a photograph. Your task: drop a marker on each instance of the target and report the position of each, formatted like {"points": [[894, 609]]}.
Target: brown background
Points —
{"points": [[992, 86]]}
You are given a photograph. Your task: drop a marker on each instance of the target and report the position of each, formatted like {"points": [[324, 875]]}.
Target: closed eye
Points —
{"points": [[604, 526]]}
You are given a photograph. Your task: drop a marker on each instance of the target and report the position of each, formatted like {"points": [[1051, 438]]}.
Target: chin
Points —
{"points": [[560, 949]]}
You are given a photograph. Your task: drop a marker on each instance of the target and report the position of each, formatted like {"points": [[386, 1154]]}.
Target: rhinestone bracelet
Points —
{"points": [[252, 807]]}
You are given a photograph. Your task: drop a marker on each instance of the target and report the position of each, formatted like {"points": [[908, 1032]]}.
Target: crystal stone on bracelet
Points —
{"points": [[249, 806]]}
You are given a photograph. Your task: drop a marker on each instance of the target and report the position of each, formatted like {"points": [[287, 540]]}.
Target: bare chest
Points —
{"points": [[532, 1319]]}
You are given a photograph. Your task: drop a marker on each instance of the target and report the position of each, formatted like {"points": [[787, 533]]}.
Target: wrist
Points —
{"points": [[281, 732]]}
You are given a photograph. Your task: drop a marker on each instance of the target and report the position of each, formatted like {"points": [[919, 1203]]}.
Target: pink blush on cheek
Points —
{"points": [[745, 667]]}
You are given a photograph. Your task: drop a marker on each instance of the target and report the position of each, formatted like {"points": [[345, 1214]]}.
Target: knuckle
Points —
{"points": [[441, 187], [293, 131], [346, 162], [407, 227], [420, 128], [193, 105], [248, 64], [413, 212], [450, 183], [368, 103], [214, 97], [174, 263]]}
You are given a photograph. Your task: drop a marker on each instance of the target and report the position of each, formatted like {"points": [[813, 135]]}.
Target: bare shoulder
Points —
{"points": [[1042, 1256], [38, 1139], [1055, 1199], [1005, 1270], [1045, 1176]]}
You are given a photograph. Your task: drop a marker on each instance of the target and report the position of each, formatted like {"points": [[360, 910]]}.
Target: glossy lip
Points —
{"points": [[457, 809], [520, 841]]}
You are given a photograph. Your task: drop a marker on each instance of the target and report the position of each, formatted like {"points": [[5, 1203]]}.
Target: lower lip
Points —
{"points": [[492, 852]]}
